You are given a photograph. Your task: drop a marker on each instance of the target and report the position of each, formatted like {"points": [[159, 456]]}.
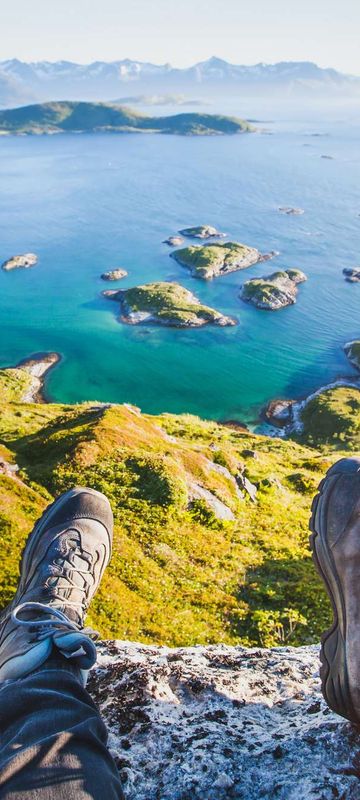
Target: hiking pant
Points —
{"points": [[52, 739]]}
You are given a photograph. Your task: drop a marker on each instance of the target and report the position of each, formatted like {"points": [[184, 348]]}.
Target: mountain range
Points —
{"points": [[40, 81]]}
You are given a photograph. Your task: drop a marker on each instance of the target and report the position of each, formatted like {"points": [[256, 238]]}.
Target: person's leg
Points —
{"points": [[335, 542], [52, 739]]}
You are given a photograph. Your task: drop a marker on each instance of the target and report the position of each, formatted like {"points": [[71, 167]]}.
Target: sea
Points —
{"points": [[86, 204]]}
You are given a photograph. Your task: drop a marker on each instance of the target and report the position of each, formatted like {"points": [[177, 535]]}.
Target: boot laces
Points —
{"points": [[53, 621], [63, 567]]}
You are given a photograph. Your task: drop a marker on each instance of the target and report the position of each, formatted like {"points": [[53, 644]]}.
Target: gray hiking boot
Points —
{"points": [[61, 568], [335, 542]]}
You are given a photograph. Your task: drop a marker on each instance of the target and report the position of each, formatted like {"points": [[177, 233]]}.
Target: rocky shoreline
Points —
{"points": [[38, 366], [285, 415]]}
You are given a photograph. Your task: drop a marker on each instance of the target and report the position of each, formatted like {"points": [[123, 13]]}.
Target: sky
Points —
{"points": [[182, 32]]}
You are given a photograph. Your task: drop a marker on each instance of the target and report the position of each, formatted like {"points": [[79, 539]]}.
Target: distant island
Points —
{"points": [[165, 304], [81, 117]]}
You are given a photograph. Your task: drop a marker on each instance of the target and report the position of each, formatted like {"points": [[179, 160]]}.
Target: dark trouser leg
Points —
{"points": [[53, 741]]}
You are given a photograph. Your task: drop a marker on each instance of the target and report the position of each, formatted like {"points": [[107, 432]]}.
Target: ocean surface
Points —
{"points": [[88, 203]]}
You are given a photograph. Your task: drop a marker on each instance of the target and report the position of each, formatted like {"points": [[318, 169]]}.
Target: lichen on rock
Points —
{"points": [[220, 722]]}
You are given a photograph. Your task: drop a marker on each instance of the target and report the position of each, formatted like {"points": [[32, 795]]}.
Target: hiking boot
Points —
{"points": [[61, 568], [335, 542]]}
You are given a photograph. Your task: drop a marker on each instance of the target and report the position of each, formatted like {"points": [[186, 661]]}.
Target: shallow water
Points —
{"points": [[88, 203]]}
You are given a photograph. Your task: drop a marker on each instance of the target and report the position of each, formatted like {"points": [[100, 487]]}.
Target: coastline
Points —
{"points": [[277, 426], [38, 366]]}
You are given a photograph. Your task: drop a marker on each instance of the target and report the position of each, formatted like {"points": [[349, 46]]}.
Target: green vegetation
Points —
{"points": [[168, 304], [352, 350], [13, 384], [62, 117], [332, 417], [178, 574], [273, 291], [208, 261]]}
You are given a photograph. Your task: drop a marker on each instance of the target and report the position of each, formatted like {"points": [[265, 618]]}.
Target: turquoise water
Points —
{"points": [[86, 204]]}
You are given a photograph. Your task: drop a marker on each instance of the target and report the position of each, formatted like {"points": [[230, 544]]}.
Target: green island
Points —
{"points": [[67, 117], [333, 416], [352, 350], [165, 304], [275, 291], [202, 232], [211, 260], [211, 536]]}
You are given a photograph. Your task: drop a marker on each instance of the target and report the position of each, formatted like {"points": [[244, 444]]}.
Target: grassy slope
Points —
{"points": [[75, 116], [178, 575]]}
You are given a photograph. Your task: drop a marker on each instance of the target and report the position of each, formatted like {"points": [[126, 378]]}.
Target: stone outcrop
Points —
{"points": [[174, 241], [114, 275], [352, 275], [20, 262], [202, 232], [223, 723], [275, 291], [352, 350], [290, 211]]}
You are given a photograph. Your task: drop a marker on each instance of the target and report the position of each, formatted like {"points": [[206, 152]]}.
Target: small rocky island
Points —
{"points": [[202, 232], [352, 275], [290, 211], [174, 241], [275, 291], [352, 350], [114, 275], [211, 260], [165, 304], [20, 262]]}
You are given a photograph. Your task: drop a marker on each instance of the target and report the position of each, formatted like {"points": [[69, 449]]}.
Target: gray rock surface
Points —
{"points": [[219, 722], [352, 275]]}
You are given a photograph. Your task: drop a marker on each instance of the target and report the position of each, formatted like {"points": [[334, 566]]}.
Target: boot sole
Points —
{"points": [[333, 670], [37, 531]]}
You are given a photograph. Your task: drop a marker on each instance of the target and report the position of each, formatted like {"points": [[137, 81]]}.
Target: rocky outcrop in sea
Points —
{"points": [[20, 262]]}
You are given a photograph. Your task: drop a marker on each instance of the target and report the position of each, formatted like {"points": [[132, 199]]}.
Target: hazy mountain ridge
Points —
{"points": [[45, 80]]}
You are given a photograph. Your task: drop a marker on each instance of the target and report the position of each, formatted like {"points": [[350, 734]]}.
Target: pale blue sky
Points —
{"points": [[183, 31]]}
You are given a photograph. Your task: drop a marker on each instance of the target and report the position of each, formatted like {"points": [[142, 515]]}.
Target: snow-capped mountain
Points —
{"points": [[45, 80]]}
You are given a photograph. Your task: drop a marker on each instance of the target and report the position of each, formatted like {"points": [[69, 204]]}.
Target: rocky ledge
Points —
{"points": [[20, 262], [352, 350], [202, 232], [114, 275], [211, 260], [223, 723], [352, 275], [165, 304], [275, 291]]}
